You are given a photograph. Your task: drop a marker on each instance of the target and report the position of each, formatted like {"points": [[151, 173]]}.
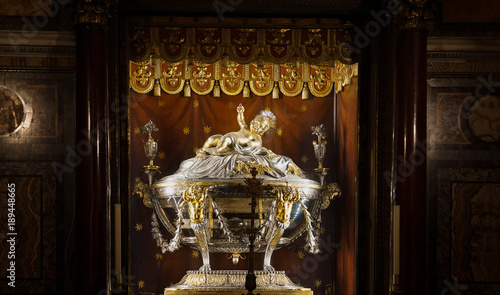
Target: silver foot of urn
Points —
{"points": [[220, 281]]}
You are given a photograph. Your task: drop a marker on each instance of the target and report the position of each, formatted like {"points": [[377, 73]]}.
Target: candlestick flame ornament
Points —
{"points": [[320, 151], [204, 204], [151, 149]]}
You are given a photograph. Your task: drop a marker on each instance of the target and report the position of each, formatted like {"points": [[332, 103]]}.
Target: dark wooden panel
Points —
{"points": [[28, 157], [35, 228], [28, 226], [476, 231], [464, 11], [467, 230]]}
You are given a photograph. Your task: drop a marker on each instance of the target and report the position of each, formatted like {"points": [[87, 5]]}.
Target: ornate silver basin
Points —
{"points": [[213, 215], [206, 204]]}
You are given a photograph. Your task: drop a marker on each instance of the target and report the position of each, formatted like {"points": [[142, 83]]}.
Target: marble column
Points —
{"points": [[410, 147], [92, 194]]}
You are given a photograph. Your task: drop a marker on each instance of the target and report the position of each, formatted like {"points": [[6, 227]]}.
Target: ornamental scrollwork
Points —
{"points": [[208, 36], [279, 41], [291, 76], [243, 42], [142, 74], [139, 40], [173, 40], [141, 77], [208, 41], [172, 75], [261, 77], [314, 42], [93, 11], [331, 192], [232, 77], [279, 37], [320, 77], [201, 75], [343, 74], [143, 191], [416, 14], [289, 79], [243, 45]]}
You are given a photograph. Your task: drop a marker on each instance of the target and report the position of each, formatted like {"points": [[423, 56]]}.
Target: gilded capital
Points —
{"points": [[416, 14], [93, 11]]}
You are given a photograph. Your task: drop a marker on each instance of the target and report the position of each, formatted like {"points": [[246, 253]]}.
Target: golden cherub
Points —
{"points": [[263, 123]]}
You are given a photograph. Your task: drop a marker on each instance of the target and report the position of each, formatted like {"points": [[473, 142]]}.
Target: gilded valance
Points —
{"points": [[261, 61]]}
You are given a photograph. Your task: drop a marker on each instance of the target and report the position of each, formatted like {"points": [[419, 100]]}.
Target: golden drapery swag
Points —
{"points": [[263, 61]]}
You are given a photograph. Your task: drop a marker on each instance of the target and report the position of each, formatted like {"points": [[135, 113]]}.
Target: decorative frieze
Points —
{"points": [[289, 79]]}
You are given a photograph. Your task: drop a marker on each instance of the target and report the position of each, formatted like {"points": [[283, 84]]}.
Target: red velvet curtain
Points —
{"points": [[346, 176]]}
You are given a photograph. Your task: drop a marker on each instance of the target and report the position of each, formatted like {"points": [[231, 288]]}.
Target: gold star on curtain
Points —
{"points": [[161, 103], [137, 179], [279, 132], [207, 129], [322, 230], [300, 255], [162, 155], [195, 254], [138, 226], [185, 130], [303, 108], [304, 159], [137, 130], [231, 105], [158, 256], [267, 108], [196, 103], [317, 283], [140, 284], [195, 150]]}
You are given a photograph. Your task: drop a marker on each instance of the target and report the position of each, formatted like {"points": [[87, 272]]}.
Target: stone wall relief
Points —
{"points": [[484, 119], [15, 113]]}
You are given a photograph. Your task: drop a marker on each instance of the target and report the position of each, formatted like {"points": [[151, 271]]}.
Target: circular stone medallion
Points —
{"points": [[484, 119], [12, 111]]}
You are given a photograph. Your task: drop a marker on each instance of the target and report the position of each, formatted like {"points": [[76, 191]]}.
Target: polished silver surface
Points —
{"points": [[206, 203]]}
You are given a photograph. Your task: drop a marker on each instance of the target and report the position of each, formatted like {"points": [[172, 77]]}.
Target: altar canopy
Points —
{"points": [[234, 61]]}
